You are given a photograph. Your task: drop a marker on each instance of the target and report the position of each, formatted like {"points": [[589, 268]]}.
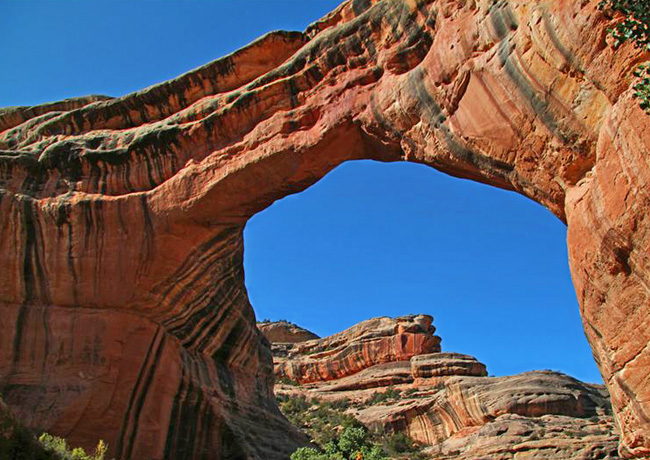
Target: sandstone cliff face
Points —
{"points": [[447, 402], [122, 296]]}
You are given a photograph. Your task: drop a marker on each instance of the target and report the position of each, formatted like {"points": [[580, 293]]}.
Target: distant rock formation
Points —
{"points": [[446, 400], [376, 341], [284, 332]]}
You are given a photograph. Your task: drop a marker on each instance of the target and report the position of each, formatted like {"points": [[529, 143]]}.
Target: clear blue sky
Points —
{"points": [[369, 239]]}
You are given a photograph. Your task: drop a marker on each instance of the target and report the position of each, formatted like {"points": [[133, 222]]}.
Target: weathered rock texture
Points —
{"points": [[446, 407], [447, 402], [376, 341], [124, 310], [550, 437], [284, 332]]}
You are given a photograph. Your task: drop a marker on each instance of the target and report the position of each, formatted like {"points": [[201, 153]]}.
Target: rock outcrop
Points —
{"points": [[281, 332], [376, 341], [125, 315], [550, 437], [447, 402]]}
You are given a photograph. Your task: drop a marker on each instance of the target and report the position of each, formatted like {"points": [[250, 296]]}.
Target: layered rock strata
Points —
{"points": [[446, 401], [123, 302], [550, 437], [376, 341]]}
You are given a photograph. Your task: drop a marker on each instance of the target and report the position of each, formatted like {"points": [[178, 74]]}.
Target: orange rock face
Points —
{"points": [[372, 342], [125, 315]]}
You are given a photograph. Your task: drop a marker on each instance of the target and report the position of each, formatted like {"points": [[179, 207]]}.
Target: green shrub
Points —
{"points": [[382, 397], [308, 453], [341, 404], [399, 443], [339, 436], [635, 23], [20, 444], [286, 381], [353, 443], [59, 447], [295, 405], [634, 26]]}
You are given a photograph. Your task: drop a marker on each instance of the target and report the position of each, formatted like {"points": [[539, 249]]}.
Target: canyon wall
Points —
{"points": [[125, 315]]}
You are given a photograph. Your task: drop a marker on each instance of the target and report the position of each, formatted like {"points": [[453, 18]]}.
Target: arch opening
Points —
{"points": [[389, 239]]}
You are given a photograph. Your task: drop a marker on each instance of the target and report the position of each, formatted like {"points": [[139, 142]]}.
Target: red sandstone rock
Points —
{"points": [[446, 364], [123, 301], [376, 341], [446, 401]]}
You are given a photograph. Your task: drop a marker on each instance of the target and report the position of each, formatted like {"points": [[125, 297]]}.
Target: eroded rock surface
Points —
{"points": [[281, 332], [447, 402], [376, 341], [550, 437], [123, 302]]}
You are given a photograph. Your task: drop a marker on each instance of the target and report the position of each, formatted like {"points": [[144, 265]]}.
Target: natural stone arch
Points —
{"points": [[126, 316]]}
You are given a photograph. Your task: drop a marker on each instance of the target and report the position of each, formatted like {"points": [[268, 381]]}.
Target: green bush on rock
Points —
{"points": [[59, 447], [340, 436], [352, 444], [635, 27], [19, 443]]}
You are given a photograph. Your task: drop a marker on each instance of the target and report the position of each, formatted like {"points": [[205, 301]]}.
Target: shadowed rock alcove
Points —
{"points": [[125, 315]]}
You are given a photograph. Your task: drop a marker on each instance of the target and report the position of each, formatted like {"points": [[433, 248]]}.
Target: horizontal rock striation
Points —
{"points": [[415, 371], [446, 364], [442, 410], [447, 402], [550, 437], [126, 214], [376, 341]]}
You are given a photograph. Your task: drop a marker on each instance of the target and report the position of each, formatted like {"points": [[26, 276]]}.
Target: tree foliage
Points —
{"points": [[337, 435], [19, 443], [353, 443], [59, 447], [635, 23], [634, 26]]}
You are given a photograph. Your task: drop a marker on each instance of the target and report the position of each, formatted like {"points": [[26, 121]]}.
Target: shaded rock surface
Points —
{"points": [[122, 218], [447, 402]]}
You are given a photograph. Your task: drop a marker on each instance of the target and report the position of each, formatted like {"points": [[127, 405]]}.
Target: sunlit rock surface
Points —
{"points": [[124, 311], [281, 332], [447, 402], [376, 341]]}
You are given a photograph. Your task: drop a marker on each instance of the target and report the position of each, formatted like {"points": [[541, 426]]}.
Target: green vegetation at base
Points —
{"points": [[59, 447], [18, 443], [339, 436], [634, 26], [286, 381], [353, 443], [383, 397], [322, 421]]}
